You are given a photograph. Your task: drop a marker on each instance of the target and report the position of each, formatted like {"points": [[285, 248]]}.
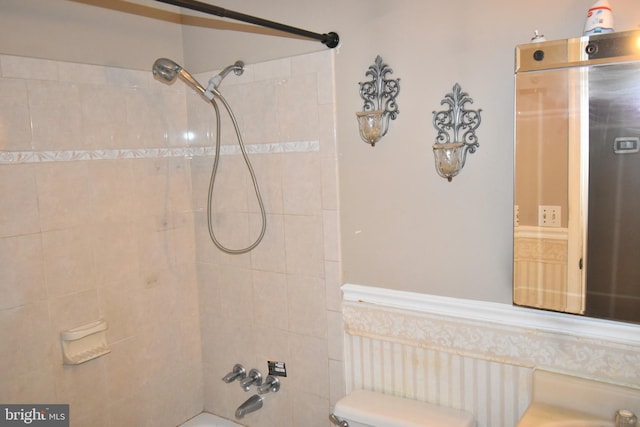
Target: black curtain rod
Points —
{"points": [[331, 39]]}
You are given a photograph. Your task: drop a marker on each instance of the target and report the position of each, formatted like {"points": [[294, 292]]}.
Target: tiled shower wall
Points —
{"points": [[89, 232], [281, 301], [98, 220]]}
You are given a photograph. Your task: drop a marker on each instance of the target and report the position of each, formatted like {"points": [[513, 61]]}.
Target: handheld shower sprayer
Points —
{"points": [[167, 70]]}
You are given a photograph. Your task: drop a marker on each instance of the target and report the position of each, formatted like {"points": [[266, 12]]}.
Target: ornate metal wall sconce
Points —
{"points": [[456, 136], [379, 95]]}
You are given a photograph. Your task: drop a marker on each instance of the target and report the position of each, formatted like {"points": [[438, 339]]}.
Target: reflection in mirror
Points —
{"points": [[577, 175], [547, 122]]}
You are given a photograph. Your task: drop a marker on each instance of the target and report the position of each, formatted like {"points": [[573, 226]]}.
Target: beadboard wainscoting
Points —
{"points": [[540, 270], [473, 355]]}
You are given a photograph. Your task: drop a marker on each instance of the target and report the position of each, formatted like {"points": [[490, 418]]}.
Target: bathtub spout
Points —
{"points": [[252, 404]]}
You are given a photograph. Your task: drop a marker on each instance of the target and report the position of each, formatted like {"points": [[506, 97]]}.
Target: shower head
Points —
{"points": [[167, 70]]}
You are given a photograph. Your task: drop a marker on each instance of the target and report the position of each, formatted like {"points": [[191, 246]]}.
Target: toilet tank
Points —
{"points": [[364, 408]]}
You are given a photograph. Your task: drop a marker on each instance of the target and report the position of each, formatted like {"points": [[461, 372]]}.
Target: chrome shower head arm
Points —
{"points": [[237, 68], [214, 82]]}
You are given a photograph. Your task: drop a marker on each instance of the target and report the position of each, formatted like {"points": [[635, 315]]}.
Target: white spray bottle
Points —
{"points": [[599, 18]]}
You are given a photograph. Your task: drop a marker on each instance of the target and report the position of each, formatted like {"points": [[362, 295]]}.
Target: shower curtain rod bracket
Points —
{"points": [[330, 39]]}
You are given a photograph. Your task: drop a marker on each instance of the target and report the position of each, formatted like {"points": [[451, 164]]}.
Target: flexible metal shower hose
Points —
{"points": [[213, 178]]}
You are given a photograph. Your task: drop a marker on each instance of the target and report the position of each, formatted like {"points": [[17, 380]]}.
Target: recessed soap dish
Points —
{"points": [[84, 343]]}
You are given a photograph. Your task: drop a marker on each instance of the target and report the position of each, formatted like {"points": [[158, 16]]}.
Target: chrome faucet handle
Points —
{"points": [[626, 418], [254, 377], [238, 373], [337, 421], [271, 384]]}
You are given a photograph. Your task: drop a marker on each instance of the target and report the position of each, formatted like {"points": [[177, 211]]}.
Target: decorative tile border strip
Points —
{"points": [[583, 347], [19, 157]]}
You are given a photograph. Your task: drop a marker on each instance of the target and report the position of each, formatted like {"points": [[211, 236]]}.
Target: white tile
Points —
{"points": [[302, 183], [331, 228], [298, 108], [279, 69], [104, 121], [307, 305], [333, 281], [15, 121], [63, 194], [21, 273], [56, 115], [73, 310], [309, 365], [19, 208], [28, 346], [270, 254], [68, 261], [73, 72], [111, 190], [304, 246], [28, 68]]}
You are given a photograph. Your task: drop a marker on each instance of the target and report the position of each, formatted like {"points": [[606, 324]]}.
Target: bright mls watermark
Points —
{"points": [[34, 415]]}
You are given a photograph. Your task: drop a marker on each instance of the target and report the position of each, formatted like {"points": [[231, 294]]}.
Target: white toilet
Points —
{"points": [[370, 409]]}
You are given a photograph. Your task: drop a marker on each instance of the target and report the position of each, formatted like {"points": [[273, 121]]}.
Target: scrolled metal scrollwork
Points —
{"points": [[456, 132], [380, 92], [449, 123]]}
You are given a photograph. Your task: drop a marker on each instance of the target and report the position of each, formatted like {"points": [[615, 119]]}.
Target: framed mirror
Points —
{"points": [[577, 176]]}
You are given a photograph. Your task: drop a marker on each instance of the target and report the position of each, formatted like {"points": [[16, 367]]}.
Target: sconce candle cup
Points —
{"points": [[373, 125], [457, 124], [379, 95], [449, 158]]}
